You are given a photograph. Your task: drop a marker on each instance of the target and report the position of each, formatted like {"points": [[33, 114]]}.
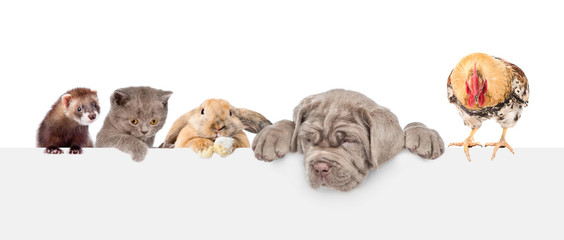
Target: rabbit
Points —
{"points": [[214, 126]]}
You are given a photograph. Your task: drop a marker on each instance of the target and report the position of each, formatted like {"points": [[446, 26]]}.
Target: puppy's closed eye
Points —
{"points": [[310, 137], [349, 143]]}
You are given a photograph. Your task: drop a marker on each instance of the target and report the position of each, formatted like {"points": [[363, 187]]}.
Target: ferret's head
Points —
{"points": [[81, 105]]}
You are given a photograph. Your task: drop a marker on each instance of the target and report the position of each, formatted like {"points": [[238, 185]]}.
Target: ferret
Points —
{"points": [[66, 124]]}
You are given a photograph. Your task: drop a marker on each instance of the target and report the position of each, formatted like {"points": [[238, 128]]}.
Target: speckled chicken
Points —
{"points": [[483, 87]]}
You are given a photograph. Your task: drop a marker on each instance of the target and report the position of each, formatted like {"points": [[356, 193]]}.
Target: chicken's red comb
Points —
{"points": [[474, 85]]}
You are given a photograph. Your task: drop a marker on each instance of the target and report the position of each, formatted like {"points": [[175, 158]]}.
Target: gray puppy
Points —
{"points": [[343, 134]]}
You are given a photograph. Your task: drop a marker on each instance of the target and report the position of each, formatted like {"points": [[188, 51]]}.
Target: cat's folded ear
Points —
{"points": [[120, 97], [164, 96]]}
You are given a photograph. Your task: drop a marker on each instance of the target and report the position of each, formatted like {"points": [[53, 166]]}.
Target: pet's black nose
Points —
{"points": [[92, 116], [321, 168]]}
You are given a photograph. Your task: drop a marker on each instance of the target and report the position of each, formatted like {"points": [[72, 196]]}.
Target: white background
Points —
{"points": [[267, 56]]}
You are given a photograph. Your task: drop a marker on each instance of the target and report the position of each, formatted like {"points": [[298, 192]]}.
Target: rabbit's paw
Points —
{"points": [[223, 146], [204, 147]]}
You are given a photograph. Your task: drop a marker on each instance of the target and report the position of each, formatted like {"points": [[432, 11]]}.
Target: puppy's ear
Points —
{"points": [[300, 115], [385, 134], [252, 121]]}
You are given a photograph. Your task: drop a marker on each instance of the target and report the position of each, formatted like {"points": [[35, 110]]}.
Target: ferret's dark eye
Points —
{"points": [[230, 113], [79, 109], [202, 111]]}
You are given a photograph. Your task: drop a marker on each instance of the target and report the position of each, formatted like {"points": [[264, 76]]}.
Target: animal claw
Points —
{"points": [[501, 144], [468, 143]]}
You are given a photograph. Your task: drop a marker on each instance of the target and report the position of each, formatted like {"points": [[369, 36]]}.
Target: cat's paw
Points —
{"points": [[75, 150], [223, 146], [138, 154], [53, 150], [203, 146]]}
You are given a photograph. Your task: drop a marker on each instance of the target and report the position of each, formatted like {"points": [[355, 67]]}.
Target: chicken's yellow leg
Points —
{"points": [[501, 143], [469, 142]]}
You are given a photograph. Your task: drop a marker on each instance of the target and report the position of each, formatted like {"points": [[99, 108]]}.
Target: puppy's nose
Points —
{"points": [[92, 116], [321, 168]]}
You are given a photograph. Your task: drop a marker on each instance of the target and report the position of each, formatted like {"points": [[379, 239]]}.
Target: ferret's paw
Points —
{"points": [[75, 150], [53, 150], [223, 146]]}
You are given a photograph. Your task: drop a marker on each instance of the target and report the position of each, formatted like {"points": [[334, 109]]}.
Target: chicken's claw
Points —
{"points": [[468, 143], [497, 145]]}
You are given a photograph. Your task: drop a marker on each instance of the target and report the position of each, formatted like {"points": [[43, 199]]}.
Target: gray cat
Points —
{"points": [[136, 115]]}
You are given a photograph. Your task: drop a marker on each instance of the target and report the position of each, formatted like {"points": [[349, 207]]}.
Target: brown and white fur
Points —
{"points": [[66, 124], [214, 126], [504, 97]]}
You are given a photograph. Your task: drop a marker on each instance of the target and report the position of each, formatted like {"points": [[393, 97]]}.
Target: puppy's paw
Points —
{"points": [[273, 141], [425, 142], [223, 146], [204, 147]]}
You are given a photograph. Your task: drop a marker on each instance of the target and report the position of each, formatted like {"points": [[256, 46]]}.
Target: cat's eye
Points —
{"points": [[202, 111], [79, 109], [154, 122], [94, 105], [134, 121]]}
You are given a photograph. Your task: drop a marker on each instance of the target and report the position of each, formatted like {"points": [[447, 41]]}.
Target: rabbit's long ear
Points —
{"points": [[252, 121], [177, 126]]}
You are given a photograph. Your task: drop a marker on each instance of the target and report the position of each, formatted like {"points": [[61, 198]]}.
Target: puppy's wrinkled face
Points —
{"points": [[336, 151]]}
